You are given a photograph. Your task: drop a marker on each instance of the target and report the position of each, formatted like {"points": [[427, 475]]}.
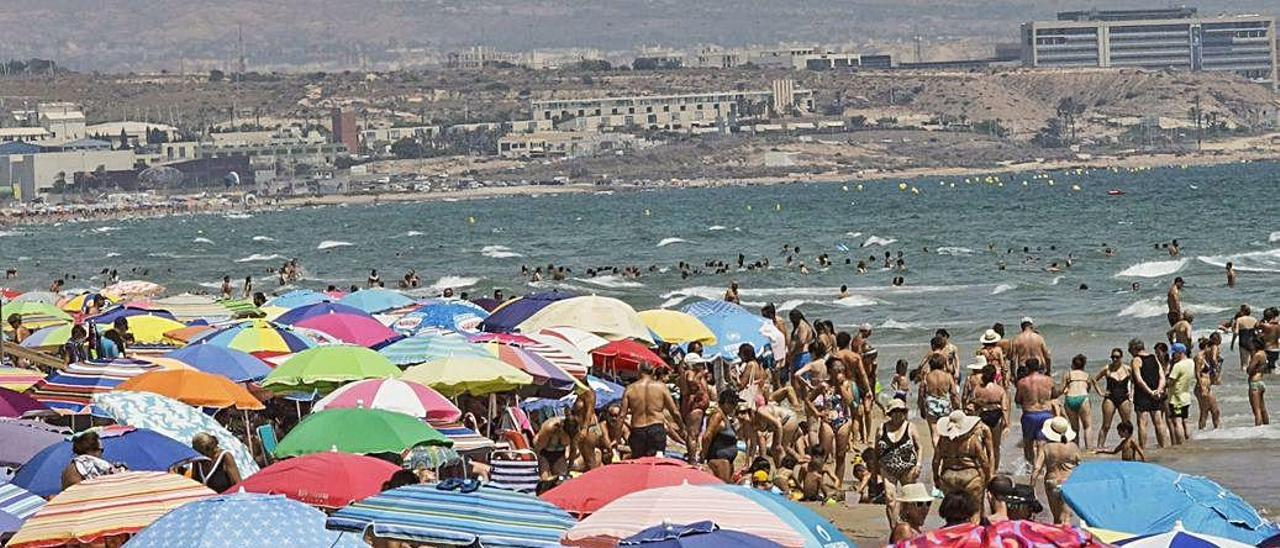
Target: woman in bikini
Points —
{"points": [[1075, 388], [990, 403], [1118, 395]]}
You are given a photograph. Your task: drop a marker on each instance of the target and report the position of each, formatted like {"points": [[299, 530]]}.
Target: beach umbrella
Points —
{"points": [[677, 327], [81, 302], [486, 303], [34, 314], [451, 315], [325, 308], [132, 289], [176, 420], [1180, 538], [407, 397], [734, 507], [327, 479], [7, 294], [702, 534], [190, 334], [584, 341], [624, 358], [39, 297], [16, 404], [326, 367], [52, 336], [150, 329], [16, 505], [605, 316], [70, 390], [733, 326], [607, 393], [106, 506], [555, 350], [254, 336], [23, 439], [549, 381], [350, 328], [1004, 533], [376, 300], [1147, 499], [429, 345], [19, 379], [591, 491], [297, 298], [468, 375], [510, 314], [187, 308], [137, 449], [232, 364], [194, 388], [430, 514], [109, 316], [357, 431], [242, 519]]}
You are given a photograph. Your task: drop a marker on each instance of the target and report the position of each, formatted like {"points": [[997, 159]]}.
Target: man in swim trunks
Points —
{"points": [[1174, 300], [1029, 345], [1034, 395], [1181, 330], [648, 402], [938, 393]]}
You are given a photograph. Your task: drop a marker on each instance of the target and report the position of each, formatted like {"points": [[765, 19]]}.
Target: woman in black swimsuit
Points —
{"points": [[1119, 393]]}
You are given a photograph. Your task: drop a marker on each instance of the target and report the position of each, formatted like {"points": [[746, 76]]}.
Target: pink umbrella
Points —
{"points": [[350, 328], [406, 397]]}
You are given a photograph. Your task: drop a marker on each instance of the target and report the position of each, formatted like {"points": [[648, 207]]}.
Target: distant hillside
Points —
{"points": [[118, 35]]}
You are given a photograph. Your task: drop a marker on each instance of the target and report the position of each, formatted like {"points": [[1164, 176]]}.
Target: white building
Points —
{"points": [[33, 174], [135, 132], [563, 144]]}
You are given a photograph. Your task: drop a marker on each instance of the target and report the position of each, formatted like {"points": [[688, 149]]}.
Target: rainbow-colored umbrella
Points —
{"points": [[549, 381], [49, 337], [35, 314], [257, 336], [69, 391]]}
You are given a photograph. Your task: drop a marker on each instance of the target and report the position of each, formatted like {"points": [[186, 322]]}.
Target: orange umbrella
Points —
{"points": [[187, 334], [194, 388]]}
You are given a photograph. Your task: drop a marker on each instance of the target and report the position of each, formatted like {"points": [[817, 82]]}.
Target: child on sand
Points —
{"points": [[1128, 449]]}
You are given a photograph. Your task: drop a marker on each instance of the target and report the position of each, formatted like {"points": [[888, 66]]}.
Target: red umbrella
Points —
{"points": [[624, 358], [325, 480], [1005, 533], [589, 492]]}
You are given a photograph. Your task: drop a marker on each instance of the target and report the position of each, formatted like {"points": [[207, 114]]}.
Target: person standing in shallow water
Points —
{"points": [[1118, 395], [1075, 388]]}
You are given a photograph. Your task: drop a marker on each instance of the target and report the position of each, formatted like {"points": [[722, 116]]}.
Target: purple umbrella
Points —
{"points": [[486, 303], [23, 439], [15, 404], [513, 313]]}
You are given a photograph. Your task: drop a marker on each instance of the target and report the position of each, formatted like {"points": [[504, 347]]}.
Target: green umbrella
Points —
{"points": [[323, 368], [35, 314], [359, 431]]}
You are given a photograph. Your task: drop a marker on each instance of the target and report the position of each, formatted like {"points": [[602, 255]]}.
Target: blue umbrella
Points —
{"points": [[702, 534], [298, 298], [607, 392], [430, 346], [242, 519], [505, 318], [110, 316], [453, 316], [732, 325], [16, 505], [427, 514], [374, 301], [137, 449], [232, 364], [1146, 499], [312, 310]]}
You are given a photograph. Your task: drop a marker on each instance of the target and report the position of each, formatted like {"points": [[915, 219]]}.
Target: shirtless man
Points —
{"points": [[1174, 300], [1231, 275], [1055, 463], [856, 372], [937, 347], [647, 403], [731, 295], [962, 462], [1029, 345], [1035, 396], [1242, 329], [1181, 331], [1269, 332], [938, 394], [802, 336]]}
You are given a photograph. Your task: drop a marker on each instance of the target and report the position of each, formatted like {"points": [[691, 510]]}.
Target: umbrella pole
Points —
{"points": [[297, 406], [248, 436], [493, 410]]}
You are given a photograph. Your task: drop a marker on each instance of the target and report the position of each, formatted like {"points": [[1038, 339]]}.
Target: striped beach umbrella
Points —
{"points": [[732, 507], [16, 505], [549, 381], [106, 506], [254, 336], [428, 514], [69, 391], [464, 439], [429, 345], [48, 337], [409, 398], [19, 379], [573, 361]]}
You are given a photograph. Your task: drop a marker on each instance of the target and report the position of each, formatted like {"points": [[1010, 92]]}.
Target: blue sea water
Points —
{"points": [[952, 235]]}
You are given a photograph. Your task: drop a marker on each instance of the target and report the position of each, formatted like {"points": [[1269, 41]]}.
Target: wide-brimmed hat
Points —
{"points": [[979, 363], [957, 424], [894, 404], [915, 492], [990, 337], [1058, 429]]}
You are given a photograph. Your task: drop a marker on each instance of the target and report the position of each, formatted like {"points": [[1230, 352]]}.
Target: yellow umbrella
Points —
{"points": [[151, 329], [77, 303], [605, 316], [677, 327], [474, 375]]}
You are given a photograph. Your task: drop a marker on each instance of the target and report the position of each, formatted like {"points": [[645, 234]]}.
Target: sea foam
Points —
{"points": [[498, 252], [670, 241], [454, 282], [876, 240], [610, 281], [330, 244], [1152, 269], [1254, 261], [259, 257]]}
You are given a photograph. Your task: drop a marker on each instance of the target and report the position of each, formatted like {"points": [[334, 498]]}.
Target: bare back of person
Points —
{"points": [[645, 399], [1035, 393]]}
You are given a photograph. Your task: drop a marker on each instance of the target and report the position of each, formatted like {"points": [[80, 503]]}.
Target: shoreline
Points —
{"points": [[1208, 158]]}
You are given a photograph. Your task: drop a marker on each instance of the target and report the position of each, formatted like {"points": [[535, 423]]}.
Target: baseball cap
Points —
{"points": [[1177, 348]]}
